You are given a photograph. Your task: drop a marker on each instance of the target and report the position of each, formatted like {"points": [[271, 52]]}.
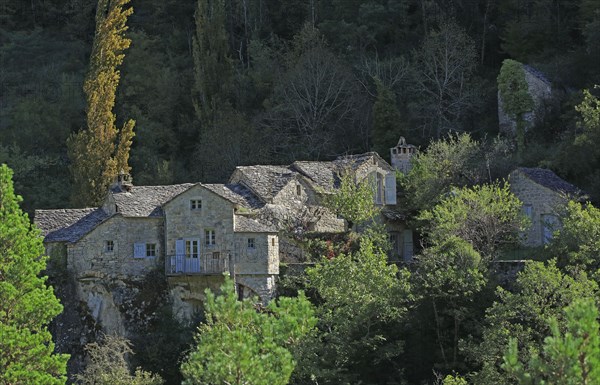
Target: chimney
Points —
{"points": [[401, 155], [123, 183]]}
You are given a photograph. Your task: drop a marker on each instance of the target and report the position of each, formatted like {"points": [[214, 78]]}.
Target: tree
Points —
{"points": [[449, 276], [577, 243], [27, 305], [107, 365], [454, 161], [240, 344], [99, 153], [540, 292], [488, 217], [387, 126], [443, 68], [568, 357], [514, 96], [363, 302], [353, 200], [315, 109]]}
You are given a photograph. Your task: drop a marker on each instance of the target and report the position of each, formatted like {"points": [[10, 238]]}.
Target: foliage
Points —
{"points": [[449, 276], [387, 126], [567, 357], [362, 302], [27, 305], [107, 365], [444, 86], [577, 243], [451, 162], [487, 216], [514, 94], [353, 200], [540, 292], [240, 344], [99, 153]]}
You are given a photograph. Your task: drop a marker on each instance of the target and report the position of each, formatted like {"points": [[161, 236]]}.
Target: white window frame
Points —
{"points": [[210, 238], [192, 247], [195, 204], [151, 250]]}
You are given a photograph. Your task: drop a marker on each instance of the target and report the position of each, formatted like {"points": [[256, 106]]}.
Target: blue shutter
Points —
{"points": [[139, 250], [390, 188], [179, 247]]}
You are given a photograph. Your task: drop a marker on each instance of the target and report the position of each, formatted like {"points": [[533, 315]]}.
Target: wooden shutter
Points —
{"points": [[407, 245], [390, 188], [139, 250]]}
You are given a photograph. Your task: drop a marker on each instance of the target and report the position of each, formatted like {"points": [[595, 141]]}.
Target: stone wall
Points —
{"points": [[263, 258], [182, 222], [542, 94], [90, 258], [542, 201]]}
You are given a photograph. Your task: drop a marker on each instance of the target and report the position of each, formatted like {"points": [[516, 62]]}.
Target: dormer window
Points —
{"points": [[195, 204]]}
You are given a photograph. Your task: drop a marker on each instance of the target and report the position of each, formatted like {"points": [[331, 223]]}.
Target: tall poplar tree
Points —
{"points": [[27, 305], [100, 152]]}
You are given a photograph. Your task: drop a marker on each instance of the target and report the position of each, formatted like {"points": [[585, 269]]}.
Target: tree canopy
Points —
{"points": [[27, 304]]}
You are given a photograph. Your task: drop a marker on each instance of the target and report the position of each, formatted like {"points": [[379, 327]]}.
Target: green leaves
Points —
{"points": [[569, 356], [239, 344], [487, 216], [99, 153], [27, 305]]}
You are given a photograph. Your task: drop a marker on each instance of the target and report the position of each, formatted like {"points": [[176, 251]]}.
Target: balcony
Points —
{"points": [[213, 263]]}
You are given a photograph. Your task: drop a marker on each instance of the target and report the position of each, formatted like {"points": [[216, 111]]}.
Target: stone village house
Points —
{"points": [[544, 195], [196, 231]]}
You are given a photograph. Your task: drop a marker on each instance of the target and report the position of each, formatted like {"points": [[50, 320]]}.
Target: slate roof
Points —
{"points": [[323, 174], [265, 180], [247, 225], [326, 174], [549, 179], [235, 193], [537, 73], [68, 225], [146, 201]]}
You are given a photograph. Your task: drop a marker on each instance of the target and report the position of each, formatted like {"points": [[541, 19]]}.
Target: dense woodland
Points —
{"points": [[276, 81], [209, 85]]}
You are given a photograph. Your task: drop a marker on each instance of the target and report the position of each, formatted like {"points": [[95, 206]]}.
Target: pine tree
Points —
{"points": [[387, 123], [213, 67], [100, 152], [27, 305]]}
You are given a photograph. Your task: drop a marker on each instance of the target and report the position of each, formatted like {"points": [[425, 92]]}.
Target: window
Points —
{"points": [[216, 255], [273, 241], [209, 237], [192, 248], [251, 243], [150, 249], [528, 211], [195, 204], [109, 246], [298, 190], [550, 224]]}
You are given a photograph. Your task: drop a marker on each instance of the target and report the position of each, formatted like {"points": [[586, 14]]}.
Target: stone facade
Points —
{"points": [[194, 233], [544, 196], [544, 99]]}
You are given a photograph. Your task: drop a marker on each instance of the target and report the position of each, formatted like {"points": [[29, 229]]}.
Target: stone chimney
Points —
{"points": [[124, 183], [401, 155]]}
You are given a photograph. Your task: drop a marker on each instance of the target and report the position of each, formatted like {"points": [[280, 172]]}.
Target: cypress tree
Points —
{"points": [[100, 152], [27, 305]]}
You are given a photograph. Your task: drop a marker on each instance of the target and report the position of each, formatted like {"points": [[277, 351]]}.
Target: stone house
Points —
{"points": [[544, 195], [545, 98], [196, 232]]}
